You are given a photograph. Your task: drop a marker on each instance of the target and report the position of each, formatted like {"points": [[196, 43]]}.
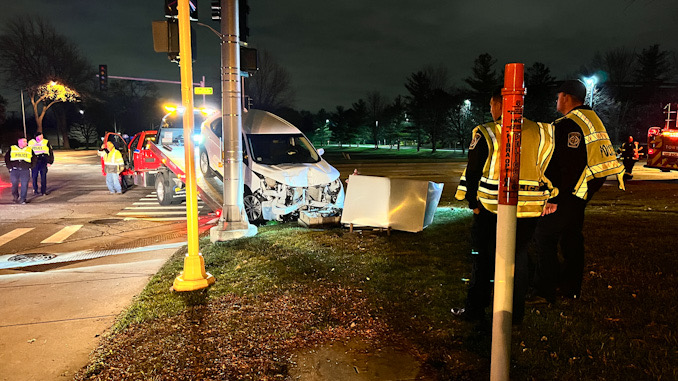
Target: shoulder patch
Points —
{"points": [[474, 141], [573, 139]]}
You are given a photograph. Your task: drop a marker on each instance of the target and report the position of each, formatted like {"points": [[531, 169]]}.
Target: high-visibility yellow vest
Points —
{"points": [[113, 161], [535, 153], [601, 156], [39, 148], [16, 154]]}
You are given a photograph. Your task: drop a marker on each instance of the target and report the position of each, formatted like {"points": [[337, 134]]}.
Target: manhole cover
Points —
{"points": [[106, 221], [31, 257]]}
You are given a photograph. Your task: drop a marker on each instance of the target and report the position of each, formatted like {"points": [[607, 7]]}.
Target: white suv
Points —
{"points": [[283, 172]]}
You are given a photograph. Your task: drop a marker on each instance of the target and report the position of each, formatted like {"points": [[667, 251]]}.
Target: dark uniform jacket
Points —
{"points": [[569, 159]]}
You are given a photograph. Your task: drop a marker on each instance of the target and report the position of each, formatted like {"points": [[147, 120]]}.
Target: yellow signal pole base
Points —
{"points": [[194, 277]]}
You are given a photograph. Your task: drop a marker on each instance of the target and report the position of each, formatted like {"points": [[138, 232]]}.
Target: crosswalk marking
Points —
{"points": [[16, 233], [155, 207], [62, 234], [144, 213], [155, 219], [148, 209]]}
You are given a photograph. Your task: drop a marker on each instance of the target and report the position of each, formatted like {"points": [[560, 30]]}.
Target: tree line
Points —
{"points": [[632, 88], [432, 112]]}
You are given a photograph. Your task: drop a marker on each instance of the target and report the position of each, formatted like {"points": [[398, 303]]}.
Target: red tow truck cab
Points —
{"points": [[139, 159], [662, 143]]}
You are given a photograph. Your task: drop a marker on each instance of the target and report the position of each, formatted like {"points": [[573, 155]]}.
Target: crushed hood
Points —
{"points": [[298, 175]]}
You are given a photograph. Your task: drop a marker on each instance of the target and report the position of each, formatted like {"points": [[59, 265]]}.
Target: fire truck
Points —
{"points": [[662, 143]]}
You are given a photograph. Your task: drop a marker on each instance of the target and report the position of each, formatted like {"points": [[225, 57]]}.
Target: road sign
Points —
{"points": [[203, 90]]}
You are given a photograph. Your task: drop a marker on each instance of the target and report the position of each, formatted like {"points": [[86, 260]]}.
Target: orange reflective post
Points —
{"points": [[513, 95]]}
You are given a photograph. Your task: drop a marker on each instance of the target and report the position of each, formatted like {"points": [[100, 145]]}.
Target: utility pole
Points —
{"points": [[233, 222]]}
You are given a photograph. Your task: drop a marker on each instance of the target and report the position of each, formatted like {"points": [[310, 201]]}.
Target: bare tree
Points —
{"points": [[376, 106], [270, 88], [35, 54], [3, 109], [84, 133]]}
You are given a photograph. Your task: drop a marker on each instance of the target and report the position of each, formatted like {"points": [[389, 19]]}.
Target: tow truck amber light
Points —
{"points": [[670, 134], [207, 110], [171, 108]]}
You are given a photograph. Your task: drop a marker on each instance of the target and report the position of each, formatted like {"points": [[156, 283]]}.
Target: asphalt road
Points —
{"points": [[71, 261]]}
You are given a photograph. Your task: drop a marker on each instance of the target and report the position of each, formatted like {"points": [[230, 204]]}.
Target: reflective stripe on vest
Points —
{"points": [[16, 154], [601, 157], [113, 162], [39, 148], [536, 151], [113, 158]]}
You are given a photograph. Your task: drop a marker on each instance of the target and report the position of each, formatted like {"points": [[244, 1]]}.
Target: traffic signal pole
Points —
{"points": [[513, 95], [233, 222], [194, 277]]}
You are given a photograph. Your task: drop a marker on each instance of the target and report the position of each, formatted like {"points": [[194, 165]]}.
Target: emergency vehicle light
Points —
{"points": [[670, 134], [653, 131], [650, 151], [172, 108]]}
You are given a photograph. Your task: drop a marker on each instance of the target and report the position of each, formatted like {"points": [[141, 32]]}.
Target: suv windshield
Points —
{"points": [[171, 130], [281, 149]]}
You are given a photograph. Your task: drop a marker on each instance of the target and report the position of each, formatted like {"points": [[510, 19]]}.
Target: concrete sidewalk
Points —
{"points": [[51, 320]]}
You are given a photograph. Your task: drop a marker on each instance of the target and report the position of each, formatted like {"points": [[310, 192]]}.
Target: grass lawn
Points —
{"points": [[290, 288], [335, 154]]}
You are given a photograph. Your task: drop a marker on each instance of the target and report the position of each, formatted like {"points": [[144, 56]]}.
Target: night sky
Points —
{"points": [[337, 51]]}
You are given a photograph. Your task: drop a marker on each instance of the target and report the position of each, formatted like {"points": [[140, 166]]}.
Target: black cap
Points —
{"points": [[37, 134], [574, 87]]}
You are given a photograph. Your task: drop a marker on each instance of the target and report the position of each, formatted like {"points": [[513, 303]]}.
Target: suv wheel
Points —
{"points": [[253, 208], [205, 164]]}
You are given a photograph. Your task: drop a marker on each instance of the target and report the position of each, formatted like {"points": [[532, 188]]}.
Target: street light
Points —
{"points": [[590, 83]]}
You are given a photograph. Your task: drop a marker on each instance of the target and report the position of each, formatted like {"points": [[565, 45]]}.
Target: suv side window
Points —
{"points": [[216, 127]]}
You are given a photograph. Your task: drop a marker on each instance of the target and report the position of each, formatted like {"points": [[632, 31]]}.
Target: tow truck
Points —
{"points": [[662, 143], [155, 158]]}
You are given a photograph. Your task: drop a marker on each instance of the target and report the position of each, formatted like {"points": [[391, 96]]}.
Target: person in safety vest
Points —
{"points": [[479, 186], [44, 158], [583, 157], [630, 153], [113, 165], [19, 160]]}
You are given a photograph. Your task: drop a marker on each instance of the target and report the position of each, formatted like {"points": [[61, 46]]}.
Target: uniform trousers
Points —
{"points": [[19, 176], [484, 237], [40, 169], [629, 162], [563, 228]]}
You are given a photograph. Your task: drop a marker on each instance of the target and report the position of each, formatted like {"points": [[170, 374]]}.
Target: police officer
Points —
{"points": [[583, 157], [19, 161], [479, 186], [44, 158]]}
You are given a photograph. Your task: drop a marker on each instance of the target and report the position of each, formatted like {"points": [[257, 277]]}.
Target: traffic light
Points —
{"points": [[244, 10], [171, 11], [216, 10], [103, 77]]}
